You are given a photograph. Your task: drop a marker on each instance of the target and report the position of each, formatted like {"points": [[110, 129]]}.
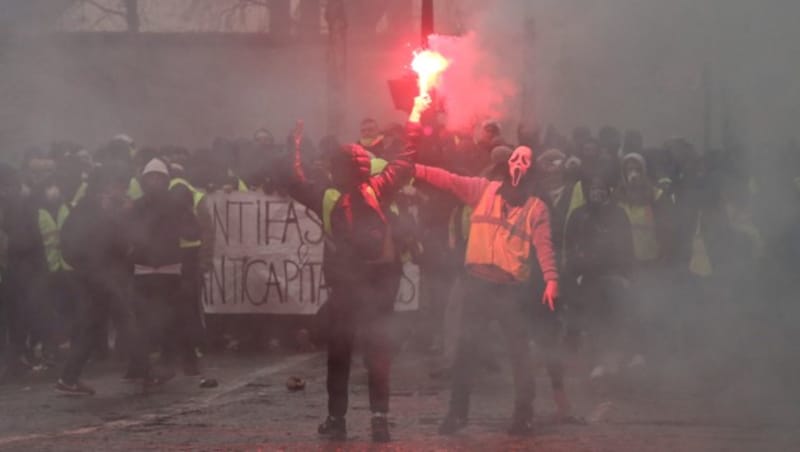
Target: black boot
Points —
{"points": [[521, 422], [452, 424], [333, 428], [380, 428]]}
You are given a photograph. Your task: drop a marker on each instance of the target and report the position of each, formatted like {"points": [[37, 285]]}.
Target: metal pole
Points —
{"points": [[336, 17], [427, 27]]}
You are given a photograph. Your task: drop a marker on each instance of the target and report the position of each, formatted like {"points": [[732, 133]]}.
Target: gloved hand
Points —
{"points": [[551, 294], [421, 103]]}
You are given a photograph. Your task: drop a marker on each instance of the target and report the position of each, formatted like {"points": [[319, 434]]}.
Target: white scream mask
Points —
{"points": [[519, 163]]}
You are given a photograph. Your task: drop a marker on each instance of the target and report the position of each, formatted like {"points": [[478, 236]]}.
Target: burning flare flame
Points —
{"points": [[429, 66]]}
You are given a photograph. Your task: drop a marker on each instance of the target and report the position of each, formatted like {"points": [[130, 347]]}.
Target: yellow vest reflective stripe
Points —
{"points": [[700, 263], [80, 193], [377, 165], [329, 201], [454, 238], [197, 198], [499, 245], [50, 229], [135, 189], [197, 195]]}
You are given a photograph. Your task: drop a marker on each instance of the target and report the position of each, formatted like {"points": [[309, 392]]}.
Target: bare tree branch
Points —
{"points": [[105, 9]]}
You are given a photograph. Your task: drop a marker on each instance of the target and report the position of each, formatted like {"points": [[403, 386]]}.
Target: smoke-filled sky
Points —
{"points": [[649, 64], [657, 66]]}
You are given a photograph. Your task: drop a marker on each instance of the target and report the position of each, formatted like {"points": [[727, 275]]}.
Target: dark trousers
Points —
{"points": [[14, 329], [158, 310], [365, 305], [102, 295], [190, 308], [486, 301]]}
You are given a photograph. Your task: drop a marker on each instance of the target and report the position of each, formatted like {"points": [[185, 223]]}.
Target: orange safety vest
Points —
{"points": [[499, 246]]}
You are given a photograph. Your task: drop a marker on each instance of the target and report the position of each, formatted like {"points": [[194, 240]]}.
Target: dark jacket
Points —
{"points": [[155, 226], [598, 242], [339, 262], [25, 252], [93, 240]]}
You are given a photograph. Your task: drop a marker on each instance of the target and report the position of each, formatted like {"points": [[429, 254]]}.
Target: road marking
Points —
{"points": [[178, 409]]}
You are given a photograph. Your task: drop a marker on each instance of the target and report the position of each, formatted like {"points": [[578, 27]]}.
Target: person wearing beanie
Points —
{"points": [[157, 223], [360, 264]]}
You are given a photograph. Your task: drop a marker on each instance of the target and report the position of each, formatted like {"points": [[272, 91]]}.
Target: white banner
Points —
{"points": [[268, 258]]}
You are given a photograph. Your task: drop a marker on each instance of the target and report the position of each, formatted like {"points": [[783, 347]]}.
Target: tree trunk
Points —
{"points": [[280, 18], [308, 21], [132, 15], [336, 18]]}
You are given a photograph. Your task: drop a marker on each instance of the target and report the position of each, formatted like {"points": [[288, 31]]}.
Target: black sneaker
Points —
{"points": [[333, 428], [452, 424], [521, 426], [76, 389], [380, 429]]}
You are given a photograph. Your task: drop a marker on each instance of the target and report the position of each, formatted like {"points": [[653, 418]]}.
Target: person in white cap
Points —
{"points": [[157, 223]]}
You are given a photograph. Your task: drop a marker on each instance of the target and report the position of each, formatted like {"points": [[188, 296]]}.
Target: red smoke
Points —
{"points": [[476, 84], [429, 66]]}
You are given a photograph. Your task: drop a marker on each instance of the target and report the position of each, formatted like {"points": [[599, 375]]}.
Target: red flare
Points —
{"points": [[429, 66]]}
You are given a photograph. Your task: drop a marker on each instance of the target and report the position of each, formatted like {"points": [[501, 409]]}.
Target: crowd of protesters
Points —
{"points": [[110, 247]]}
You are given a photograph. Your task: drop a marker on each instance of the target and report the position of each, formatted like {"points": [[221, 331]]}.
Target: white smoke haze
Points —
{"points": [[721, 70], [658, 66]]}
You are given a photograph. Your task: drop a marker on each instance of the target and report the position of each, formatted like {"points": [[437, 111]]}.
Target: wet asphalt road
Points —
{"points": [[252, 410]]}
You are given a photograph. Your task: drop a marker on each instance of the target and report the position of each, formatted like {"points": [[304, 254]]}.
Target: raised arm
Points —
{"points": [[300, 188], [400, 170], [467, 189]]}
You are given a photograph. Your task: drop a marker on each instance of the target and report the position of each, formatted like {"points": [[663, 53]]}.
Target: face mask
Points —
{"points": [[598, 196], [634, 177], [52, 194], [518, 164]]}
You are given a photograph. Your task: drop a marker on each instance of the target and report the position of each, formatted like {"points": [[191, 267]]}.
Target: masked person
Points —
{"points": [[361, 267], [94, 244], [552, 331], [54, 292], [24, 260], [509, 235], [372, 140], [646, 209], [598, 264], [156, 225]]}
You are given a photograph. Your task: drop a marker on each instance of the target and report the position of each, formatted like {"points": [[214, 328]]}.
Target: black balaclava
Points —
{"points": [[350, 166]]}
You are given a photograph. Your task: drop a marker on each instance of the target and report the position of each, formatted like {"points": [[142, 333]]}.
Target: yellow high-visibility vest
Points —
{"points": [[643, 228], [135, 189], [197, 198], [50, 229]]}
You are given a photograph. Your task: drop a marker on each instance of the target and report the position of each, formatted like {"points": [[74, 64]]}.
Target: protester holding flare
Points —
{"points": [[508, 227], [360, 265]]}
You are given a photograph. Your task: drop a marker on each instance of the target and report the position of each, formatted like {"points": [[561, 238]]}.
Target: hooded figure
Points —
{"points": [[509, 245], [599, 262], [645, 206], [360, 265]]}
